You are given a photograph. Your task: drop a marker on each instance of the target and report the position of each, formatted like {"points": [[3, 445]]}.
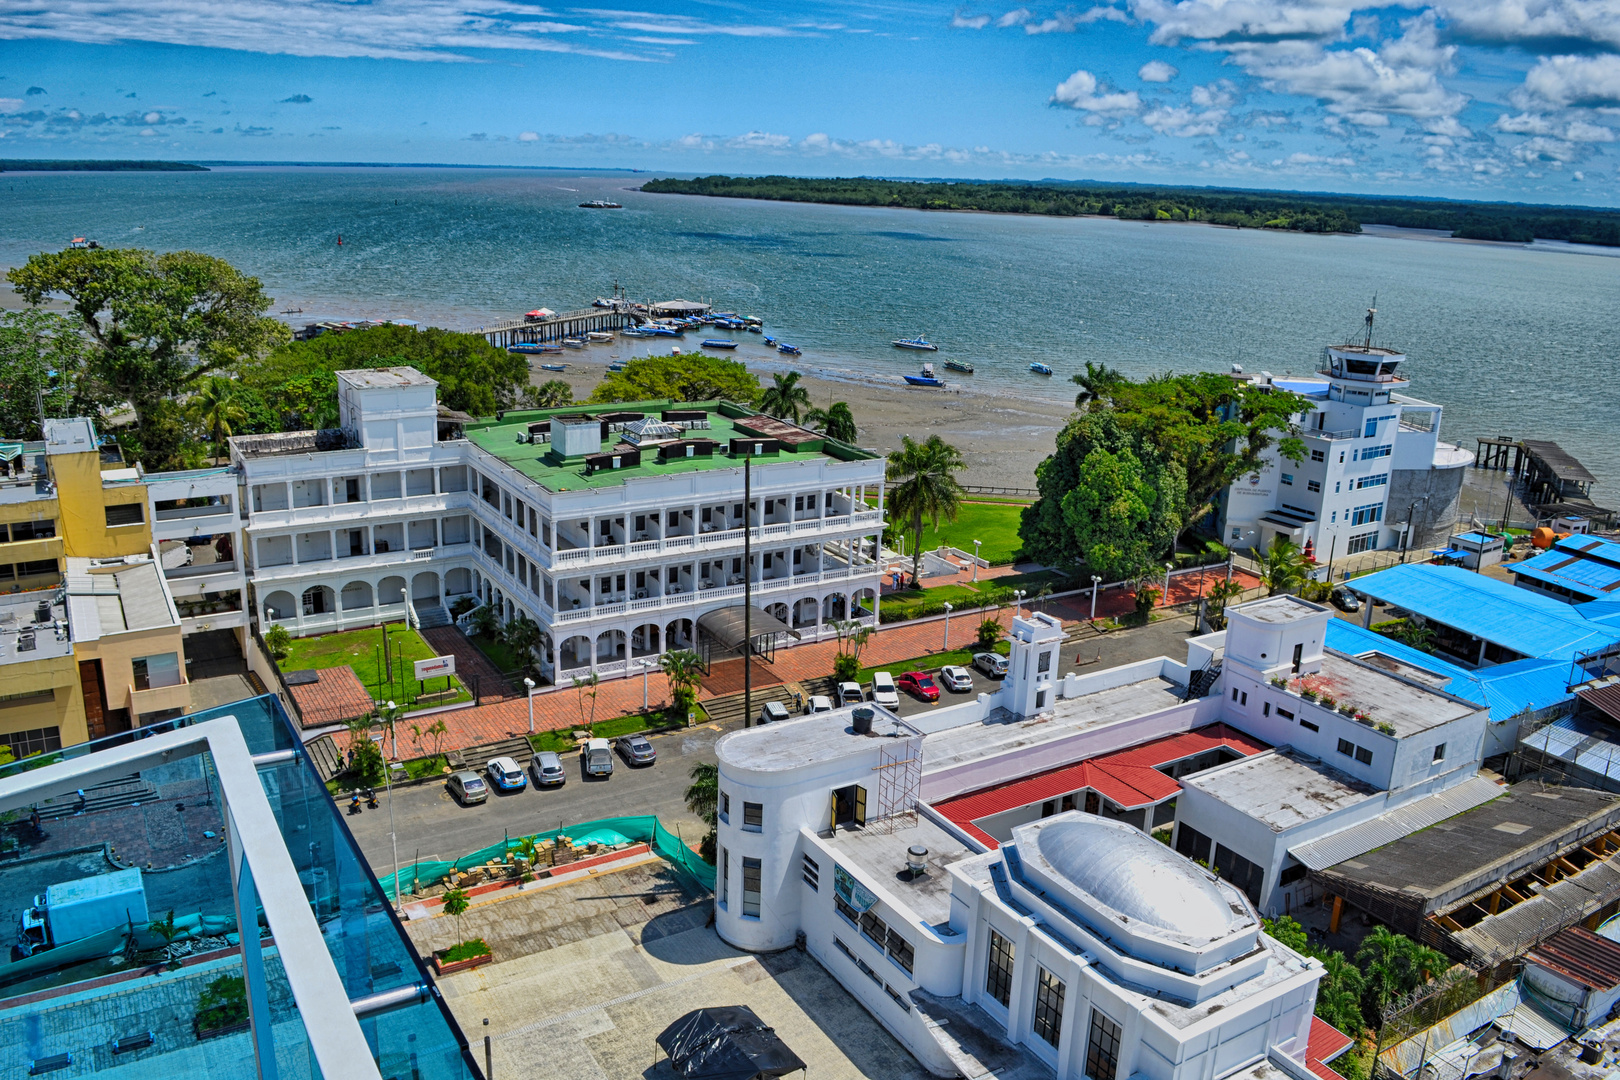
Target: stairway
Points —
{"points": [[431, 615], [729, 709], [476, 757], [328, 759], [109, 795]]}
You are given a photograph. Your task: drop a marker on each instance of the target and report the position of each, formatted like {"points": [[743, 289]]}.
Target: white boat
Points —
{"points": [[599, 335], [918, 344]]}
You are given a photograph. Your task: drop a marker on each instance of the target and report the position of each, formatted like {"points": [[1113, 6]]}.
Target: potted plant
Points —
{"points": [[1308, 694], [1347, 710], [222, 1008], [1279, 683], [463, 954], [1384, 726]]}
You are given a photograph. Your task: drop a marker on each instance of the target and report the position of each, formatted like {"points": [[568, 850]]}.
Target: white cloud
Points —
{"points": [[528, 136], [1180, 121], [1219, 94], [1157, 71], [1083, 91], [1015, 17], [1560, 82], [153, 117], [963, 21], [10, 105], [759, 140], [1222, 23], [1537, 25]]}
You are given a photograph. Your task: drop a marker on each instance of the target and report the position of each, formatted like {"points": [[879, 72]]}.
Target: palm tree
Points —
{"points": [[703, 799], [785, 399], [1216, 600], [683, 668], [216, 407], [835, 421], [1394, 965], [1282, 566], [1094, 382], [522, 635], [924, 479], [549, 394]]}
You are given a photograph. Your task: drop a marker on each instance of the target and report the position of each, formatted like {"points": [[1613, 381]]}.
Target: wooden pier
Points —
{"points": [[570, 324], [1493, 453]]}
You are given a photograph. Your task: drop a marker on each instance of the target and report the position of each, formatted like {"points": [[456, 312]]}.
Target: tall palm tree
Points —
{"points": [[550, 394], [217, 408], [924, 479], [785, 399], [1094, 382], [835, 421], [1282, 565], [703, 799]]}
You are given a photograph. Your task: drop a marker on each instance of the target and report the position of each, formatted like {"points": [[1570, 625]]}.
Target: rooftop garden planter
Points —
{"points": [[462, 957], [222, 1008]]}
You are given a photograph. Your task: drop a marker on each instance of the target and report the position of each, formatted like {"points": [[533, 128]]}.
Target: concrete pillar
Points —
{"points": [[1366, 613]]}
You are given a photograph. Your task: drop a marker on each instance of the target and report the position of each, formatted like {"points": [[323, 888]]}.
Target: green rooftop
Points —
{"points": [[540, 463]]}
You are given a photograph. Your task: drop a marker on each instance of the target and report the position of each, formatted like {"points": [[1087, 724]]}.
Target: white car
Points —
{"points": [[850, 693], [820, 703], [884, 692], [505, 774], [955, 678]]}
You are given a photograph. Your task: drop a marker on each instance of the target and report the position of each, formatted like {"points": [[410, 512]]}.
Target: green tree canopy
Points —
{"points": [[157, 324], [785, 399], [924, 485], [835, 421], [688, 377], [43, 360]]}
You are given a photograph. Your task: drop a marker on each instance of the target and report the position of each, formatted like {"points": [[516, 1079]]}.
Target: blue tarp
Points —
{"points": [[1492, 610]]}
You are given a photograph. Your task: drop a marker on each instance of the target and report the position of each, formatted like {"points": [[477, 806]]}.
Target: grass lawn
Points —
{"points": [[502, 657], [994, 523], [897, 607], [652, 723], [362, 650]]}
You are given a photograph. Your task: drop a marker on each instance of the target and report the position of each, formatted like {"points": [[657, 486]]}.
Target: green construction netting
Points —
{"points": [[644, 828]]}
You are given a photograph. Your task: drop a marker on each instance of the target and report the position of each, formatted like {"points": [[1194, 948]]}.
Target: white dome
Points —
{"points": [[1128, 872]]}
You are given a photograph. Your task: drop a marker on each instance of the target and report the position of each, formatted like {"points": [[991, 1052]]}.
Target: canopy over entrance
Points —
{"points": [[725, 625], [726, 1043]]}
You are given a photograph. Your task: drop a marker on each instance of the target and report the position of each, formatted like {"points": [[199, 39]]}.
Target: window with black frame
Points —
{"points": [[1049, 1009], [1102, 1048], [999, 969], [750, 894]]}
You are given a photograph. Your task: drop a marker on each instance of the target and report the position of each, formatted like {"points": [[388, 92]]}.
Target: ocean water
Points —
{"points": [[1512, 340]]}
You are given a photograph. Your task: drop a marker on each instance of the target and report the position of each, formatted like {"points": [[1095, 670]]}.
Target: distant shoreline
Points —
{"points": [[15, 165]]}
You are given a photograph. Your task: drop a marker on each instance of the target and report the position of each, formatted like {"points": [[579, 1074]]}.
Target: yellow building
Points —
{"points": [[92, 655]]}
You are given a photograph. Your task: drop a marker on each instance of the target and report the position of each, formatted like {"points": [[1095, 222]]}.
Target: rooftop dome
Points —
{"points": [[1127, 871]]}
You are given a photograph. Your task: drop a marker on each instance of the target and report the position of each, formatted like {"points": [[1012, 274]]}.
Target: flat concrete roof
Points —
{"points": [[18, 628], [881, 858], [385, 378], [1489, 843], [1003, 731], [809, 740], [111, 597], [1282, 789], [1278, 610], [1387, 698]]}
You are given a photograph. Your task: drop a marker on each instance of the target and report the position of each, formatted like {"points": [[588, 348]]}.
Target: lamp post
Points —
{"points": [[528, 685], [1167, 582], [976, 544], [646, 669], [1406, 537], [948, 609], [1018, 603], [1095, 581], [388, 778]]}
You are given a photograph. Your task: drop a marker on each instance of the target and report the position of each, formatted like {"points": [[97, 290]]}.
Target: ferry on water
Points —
{"points": [[918, 343], [958, 365], [600, 204]]}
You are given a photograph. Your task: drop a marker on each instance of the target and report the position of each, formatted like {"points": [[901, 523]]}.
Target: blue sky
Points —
{"points": [[1510, 99]]}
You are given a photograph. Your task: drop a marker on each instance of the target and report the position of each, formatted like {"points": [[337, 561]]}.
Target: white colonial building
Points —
{"points": [[617, 531], [1373, 463]]}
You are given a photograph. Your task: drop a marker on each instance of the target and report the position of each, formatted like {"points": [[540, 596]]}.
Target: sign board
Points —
{"points": [[435, 667]]}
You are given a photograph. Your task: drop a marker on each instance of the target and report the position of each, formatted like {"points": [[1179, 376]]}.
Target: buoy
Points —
{"points": [[340, 241]]}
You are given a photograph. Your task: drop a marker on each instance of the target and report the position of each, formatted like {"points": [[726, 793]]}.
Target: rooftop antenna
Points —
{"points": [[1370, 313]]}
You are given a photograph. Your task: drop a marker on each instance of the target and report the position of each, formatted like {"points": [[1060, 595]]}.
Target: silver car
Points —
{"points": [[992, 664], [467, 787], [547, 769]]}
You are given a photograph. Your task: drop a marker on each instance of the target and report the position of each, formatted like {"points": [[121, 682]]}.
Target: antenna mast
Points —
{"points": [[1370, 313]]}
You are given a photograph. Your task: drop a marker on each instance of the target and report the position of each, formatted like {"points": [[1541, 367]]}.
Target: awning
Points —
{"points": [[725, 625]]}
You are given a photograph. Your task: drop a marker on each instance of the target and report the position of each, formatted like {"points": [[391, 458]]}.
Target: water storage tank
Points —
{"points": [[862, 721]]}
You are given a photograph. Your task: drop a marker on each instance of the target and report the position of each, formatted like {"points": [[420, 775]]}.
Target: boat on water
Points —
{"points": [[1040, 369], [617, 365], [769, 340], [604, 302], [788, 350], [553, 367], [638, 331], [756, 328], [958, 365], [529, 348], [600, 204], [926, 377], [599, 335], [574, 343], [918, 343], [718, 343]]}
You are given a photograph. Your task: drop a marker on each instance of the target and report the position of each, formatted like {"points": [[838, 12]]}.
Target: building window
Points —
{"points": [[1308, 726], [1318, 455], [898, 999], [1367, 453], [753, 816], [844, 908], [811, 873], [127, 514], [838, 944], [1266, 711], [1362, 542], [900, 950], [1102, 1048], [29, 530], [23, 744], [1364, 755], [1369, 513], [1372, 481], [1288, 478], [1243, 698], [1346, 747], [725, 876], [1291, 874], [873, 929], [725, 808], [1284, 712], [1234, 693], [1043, 662], [1049, 1011], [750, 887], [155, 671], [1192, 843], [1440, 752], [999, 969], [1313, 485]]}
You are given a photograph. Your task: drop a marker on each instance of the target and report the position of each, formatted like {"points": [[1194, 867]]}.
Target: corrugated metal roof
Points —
{"points": [[1410, 1054], [1560, 904], [1586, 576], [1488, 609], [1605, 699], [1389, 827], [1325, 1041], [1578, 742], [1129, 778], [1580, 955]]}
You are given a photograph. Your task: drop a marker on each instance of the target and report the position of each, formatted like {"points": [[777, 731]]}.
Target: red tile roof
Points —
{"points": [[1325, 1043], [336, 696], [1128, 778]]}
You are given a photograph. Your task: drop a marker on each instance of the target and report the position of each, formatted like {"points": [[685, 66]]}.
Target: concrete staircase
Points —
{"points": [[476, 757], [729, 709], [431, 615], [328, 759], [109, 795]]}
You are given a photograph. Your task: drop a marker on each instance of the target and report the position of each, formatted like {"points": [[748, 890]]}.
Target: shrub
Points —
{"points": [[990, 634], [1328, 701], [1383, 725], [1308, 694], [1146, 597], [1347, 710], [466, 950], [222, 1003], [278, 641], [846, 667], [1281, 684]]}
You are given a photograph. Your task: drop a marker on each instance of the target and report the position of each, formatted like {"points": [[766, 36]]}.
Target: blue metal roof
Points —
{"points": [[1583, 564], [1488, 609], [1599, 611]]}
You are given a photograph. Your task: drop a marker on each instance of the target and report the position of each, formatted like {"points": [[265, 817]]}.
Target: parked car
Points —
{"points": [[819, 703], [636, 749], [921, 684], [883, 690], [992, 664], [597, 755], [850, 693], [1345, 600], [773, 712], [467, 787], [505, 774], [956, 678], [548, 769]]}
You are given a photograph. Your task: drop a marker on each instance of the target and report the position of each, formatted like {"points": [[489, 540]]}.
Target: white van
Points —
{"points": [[598, 755]]}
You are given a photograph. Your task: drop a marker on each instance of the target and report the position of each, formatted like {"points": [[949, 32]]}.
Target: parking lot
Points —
{"points": [[910, 705]]}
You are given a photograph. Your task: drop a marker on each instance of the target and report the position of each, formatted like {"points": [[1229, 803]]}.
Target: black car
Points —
{"points": [[636, 749], [1345, 600]]}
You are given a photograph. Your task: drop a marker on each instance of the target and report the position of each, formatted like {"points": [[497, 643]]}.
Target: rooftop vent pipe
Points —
{"points": [[916, 860]]}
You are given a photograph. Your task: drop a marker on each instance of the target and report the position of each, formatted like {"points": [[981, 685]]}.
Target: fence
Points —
{"points": [[644, 828]]}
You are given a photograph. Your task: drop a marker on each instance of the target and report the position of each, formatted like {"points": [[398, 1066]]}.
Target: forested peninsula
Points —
{"points": [[1290, 211], [93, 165]]}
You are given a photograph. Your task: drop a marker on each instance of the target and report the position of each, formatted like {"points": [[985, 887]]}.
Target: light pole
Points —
{"points": [[1095, 581], [528, 685], [393, 837], [393, 727], [947, 645], [646, 669], [976, 544], [1406, 537], [1018, 603], [1167, 583]]}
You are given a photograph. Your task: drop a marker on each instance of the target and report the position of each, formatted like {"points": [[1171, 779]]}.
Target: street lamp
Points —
{"points": [[388, 778], [1166, 583], [948, 609], [1095, 581], [528, 685], [646, 669], [1018, 603], [976, 544], [1406, 537]]}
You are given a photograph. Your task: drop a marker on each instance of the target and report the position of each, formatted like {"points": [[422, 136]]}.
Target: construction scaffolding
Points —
{"points": [[899, 786]]}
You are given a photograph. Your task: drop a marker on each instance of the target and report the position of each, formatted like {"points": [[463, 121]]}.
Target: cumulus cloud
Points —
{"points": [[297, 99], [10, 105], [1558, 82], [1085, 92], [1535, 25], [1063, 22], [528, 136], [963, 21], [1157, 71], [1222, 24], [1182, 122]]}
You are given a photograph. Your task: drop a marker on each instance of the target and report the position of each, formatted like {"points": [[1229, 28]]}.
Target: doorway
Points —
{"points": [[849, 806]]}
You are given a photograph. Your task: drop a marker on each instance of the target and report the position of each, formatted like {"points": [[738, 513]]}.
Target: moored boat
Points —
{"points": [[918, 343], [526, 348], [788, 350], [574, 343], [718, 343], [599, 335], [617, 365], [1039, 368], [553, 367], [958, 365], [600, 204], [926, 377]]}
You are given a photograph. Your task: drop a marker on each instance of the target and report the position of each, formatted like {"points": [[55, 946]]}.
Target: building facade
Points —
{"points": [[615, 531]]}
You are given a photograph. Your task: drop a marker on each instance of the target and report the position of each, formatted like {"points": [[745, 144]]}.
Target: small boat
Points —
{"points": [[603, 302], [958, 365], [789, 350], [718, 343], [756, 328], [599, 335], [617, 365], [664, 331], [1040, 369], [574, 343], [753, 320], [769, 340], [600, 204], [926, 377], [528, 348], [553, 367], [637, 331], [919, 344], [292, 311]]}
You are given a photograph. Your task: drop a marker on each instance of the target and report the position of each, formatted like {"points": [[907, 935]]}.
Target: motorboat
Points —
{"points": [[603, 302], [1039, 368], [617, 365], [574, 343], [601, 204], [959, 365], [553, 367], [638, 331], [788, 350], [918, 343], [718, 343], [926, 377], [529, 348], [599, 335]]}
